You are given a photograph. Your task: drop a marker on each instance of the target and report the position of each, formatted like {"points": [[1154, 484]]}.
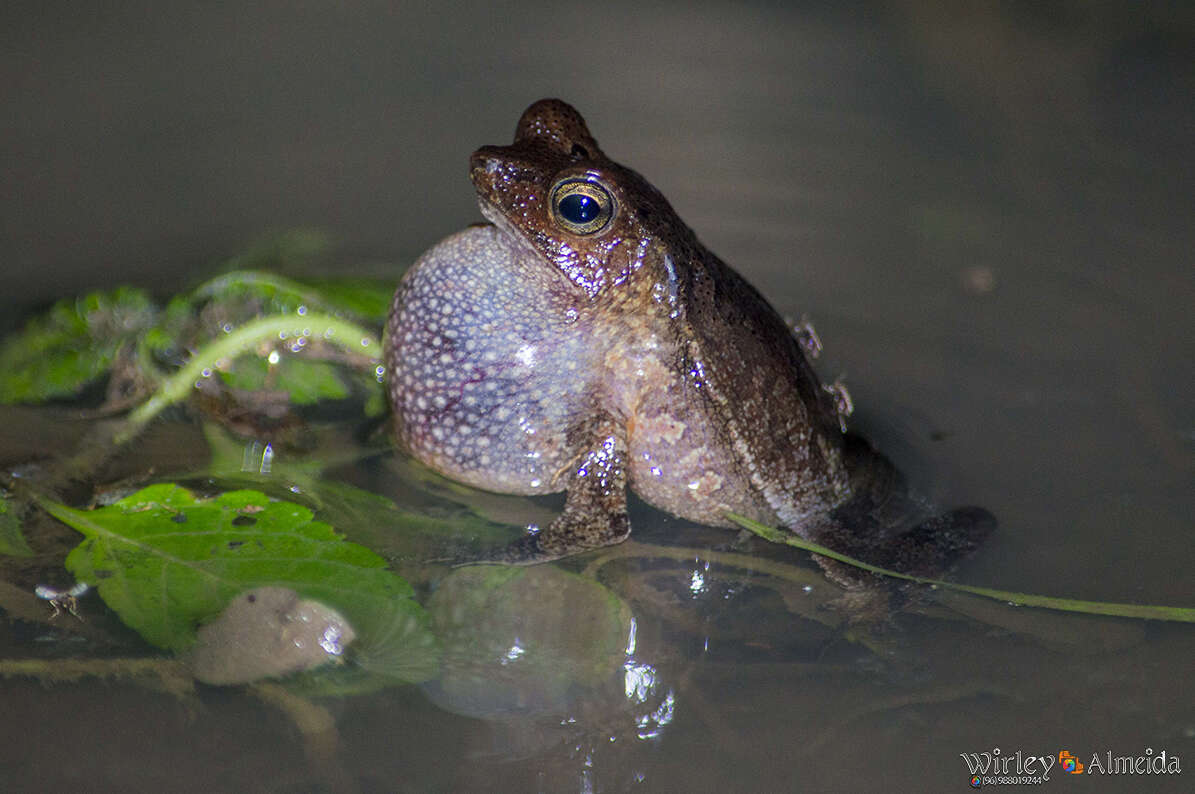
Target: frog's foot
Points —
{"points": [[595, 511], [936, 545], [927, 550], [554, 543], [569, 534], [884, 525]]}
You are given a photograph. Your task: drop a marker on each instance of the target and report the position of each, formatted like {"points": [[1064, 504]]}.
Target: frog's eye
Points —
{"points": [[581, 207]]}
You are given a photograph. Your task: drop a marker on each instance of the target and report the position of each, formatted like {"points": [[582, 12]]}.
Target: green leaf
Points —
{"points": [[367, 299], [173, 329], [307, 382], [407, 538], [165, 561], [73, 344], [12, 542]]}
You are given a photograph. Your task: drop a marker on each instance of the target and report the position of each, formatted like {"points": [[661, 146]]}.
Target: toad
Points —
{"points": [[585, 340]]}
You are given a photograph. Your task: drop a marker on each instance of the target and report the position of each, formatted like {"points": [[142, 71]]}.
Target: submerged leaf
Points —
{"points": [[268, 632], [519, 640], [165, 561]]}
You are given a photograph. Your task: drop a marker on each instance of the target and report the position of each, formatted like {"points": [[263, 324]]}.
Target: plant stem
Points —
{"points": [[209, 358], [1145, 611]]}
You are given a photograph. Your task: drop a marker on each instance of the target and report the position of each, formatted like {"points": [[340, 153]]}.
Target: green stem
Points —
{"points": [[1146, 611], [178, 386]]}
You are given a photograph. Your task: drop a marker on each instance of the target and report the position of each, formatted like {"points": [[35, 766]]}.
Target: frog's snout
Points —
{"points": [[483, 162]]}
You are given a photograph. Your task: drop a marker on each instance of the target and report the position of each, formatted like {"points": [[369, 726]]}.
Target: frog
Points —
{"points": [[584, 340]]}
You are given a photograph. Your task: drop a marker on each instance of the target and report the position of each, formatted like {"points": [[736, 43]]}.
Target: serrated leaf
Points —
{"points": [[165, 561], [73, 344], [12, 542]]}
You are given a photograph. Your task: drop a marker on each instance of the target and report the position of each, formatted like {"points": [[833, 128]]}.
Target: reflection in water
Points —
{"points": [[548, 657], [514, 653], [651, 725], [640, 683]]}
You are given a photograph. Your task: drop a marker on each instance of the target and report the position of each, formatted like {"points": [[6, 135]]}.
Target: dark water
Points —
{"points": [[987, 213]]}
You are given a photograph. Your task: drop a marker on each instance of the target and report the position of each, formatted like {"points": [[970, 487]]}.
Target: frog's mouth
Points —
{"points": [[496, 218], [508, 233]]}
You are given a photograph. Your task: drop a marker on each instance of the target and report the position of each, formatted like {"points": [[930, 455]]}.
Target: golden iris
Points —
{"points": [[580, 206]]}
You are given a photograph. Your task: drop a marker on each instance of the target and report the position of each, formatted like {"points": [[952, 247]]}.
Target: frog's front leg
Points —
{"points": [[595, 510]]}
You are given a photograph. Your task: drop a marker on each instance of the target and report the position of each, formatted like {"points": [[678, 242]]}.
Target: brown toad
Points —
{"points": [[587, 341]]}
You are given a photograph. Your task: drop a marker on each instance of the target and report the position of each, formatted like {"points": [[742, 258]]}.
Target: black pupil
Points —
{"points": [[579, 208]]}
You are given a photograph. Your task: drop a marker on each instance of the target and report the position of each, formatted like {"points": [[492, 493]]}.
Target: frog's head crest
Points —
{"points": [[557, 126]]}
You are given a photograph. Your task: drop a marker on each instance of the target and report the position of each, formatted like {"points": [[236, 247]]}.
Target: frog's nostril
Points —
{"points": [[482, 169]]}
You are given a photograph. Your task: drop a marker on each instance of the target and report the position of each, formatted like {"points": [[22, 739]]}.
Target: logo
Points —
{"points": [[995, 767]]}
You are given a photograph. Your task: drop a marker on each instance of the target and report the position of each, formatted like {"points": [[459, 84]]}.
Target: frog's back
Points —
{"points": [[782, 424]]}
